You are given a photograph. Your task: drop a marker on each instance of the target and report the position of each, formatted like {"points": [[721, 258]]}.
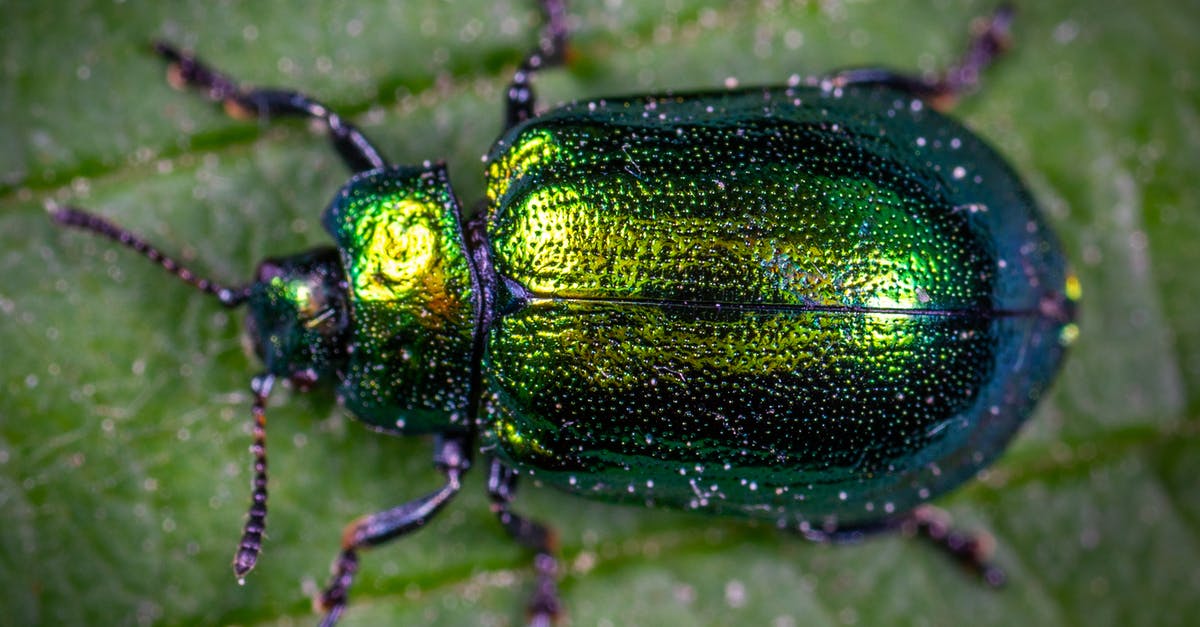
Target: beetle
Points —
{"points": [[822, 304]]}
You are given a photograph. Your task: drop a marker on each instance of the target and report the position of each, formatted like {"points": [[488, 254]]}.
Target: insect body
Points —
{"points": [[804, 315], [821, 305]]}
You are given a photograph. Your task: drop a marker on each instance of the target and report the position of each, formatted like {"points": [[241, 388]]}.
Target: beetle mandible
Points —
{"points": [[823, 304]]}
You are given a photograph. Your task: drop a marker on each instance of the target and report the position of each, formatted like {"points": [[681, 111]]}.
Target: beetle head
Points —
{"points": [[298, 317]]}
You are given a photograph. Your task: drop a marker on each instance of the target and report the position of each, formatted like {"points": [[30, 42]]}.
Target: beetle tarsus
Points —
{"points": [[544, 606], [187, 71], [332, 601]]}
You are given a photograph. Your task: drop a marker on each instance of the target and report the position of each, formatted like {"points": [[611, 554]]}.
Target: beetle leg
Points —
{"points": [[990, 37], [972, 550], [451, 458], [186, 70], [550, 52], [544, 607]]}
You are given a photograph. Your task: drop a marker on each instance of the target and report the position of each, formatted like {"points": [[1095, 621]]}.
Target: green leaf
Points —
{"points": [[124, 409]]}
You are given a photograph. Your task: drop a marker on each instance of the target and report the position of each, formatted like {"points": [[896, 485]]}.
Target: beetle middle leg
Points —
{"points": [[551, 51], [186, 70], [452, 459], [989, 39], [544, 607]]}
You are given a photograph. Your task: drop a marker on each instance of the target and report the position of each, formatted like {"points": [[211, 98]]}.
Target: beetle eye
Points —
{"points": [[268, 270]]}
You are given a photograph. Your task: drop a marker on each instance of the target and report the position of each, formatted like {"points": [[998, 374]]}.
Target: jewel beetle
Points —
{"points": [[822, 304]]}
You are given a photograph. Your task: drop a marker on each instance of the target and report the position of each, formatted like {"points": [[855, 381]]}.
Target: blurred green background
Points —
{"points": [[124, 470]]}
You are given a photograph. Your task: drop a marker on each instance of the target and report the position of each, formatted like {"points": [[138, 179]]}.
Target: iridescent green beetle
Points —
{"points": [[821, 304]]}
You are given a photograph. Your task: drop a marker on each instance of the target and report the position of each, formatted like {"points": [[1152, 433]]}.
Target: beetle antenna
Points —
{"points": [[87, 221], [256, 519]]}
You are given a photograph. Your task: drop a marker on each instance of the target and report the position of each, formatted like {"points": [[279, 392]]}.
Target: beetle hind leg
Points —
{"points": [[990, 38], [544, 607], [973, 551], [450, 457], [186, 71]]}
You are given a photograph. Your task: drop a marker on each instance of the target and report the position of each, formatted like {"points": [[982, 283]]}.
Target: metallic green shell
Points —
{"points": [[411, 297], [783, 303]]}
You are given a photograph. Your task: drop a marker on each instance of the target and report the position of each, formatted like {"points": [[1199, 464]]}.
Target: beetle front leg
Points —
{"points": [[989, 39], [544, 607], [246, 103], [451, 458], [550, 52]]}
